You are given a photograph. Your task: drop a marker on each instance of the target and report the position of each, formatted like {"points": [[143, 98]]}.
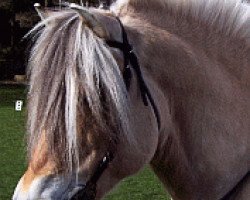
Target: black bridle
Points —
{"points": [[88, 191], [131, 61]]}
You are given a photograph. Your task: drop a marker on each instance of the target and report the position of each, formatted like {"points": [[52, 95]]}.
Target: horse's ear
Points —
{"points": [[90, 20], [43, 14]]}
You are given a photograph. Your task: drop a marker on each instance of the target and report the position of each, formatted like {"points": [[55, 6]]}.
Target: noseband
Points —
{"points": [[88, 191]]}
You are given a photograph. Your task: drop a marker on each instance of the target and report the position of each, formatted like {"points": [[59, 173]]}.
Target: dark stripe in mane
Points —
{"points": [[69, 63]]}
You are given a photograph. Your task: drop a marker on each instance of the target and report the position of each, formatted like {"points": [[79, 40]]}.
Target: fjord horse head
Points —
{"points": [[84, 107]]}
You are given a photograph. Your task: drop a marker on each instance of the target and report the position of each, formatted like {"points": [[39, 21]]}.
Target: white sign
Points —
{"points": [[18, 105]]}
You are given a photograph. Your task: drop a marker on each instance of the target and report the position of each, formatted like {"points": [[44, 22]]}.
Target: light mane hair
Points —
{"points": [[69, 63], [229, 16]]}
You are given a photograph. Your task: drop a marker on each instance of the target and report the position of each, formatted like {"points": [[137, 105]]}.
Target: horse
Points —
{"points": [[163, 83]]}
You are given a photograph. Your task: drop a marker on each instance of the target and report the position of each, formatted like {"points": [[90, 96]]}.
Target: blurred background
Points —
{"points": [[16, 18]]}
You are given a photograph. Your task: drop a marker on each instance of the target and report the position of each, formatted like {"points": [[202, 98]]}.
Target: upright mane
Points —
{"points": [[229, 16], [70, 69]]}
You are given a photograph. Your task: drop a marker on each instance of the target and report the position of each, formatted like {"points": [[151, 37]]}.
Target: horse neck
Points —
{"points": [[204, 40], [225, 50], [186, 57]]}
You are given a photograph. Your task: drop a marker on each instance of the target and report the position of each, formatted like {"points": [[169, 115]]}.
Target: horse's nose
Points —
{"points": [[20, 193], [47, 188]]}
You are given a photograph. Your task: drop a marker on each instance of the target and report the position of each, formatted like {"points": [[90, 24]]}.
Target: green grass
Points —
{"points": [[12, 149], [144, 186]]}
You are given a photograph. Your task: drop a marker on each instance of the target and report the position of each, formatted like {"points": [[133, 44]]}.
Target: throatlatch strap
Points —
{"points": [[131, 58], [127, 75]]}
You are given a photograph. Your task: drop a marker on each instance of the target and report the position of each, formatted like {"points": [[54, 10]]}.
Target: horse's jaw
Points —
{"points": [[46, 187]]}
